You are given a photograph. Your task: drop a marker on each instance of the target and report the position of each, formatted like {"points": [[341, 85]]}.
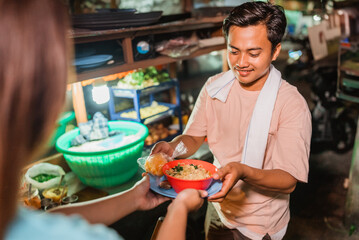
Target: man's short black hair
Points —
{"points": [[255, 13]]}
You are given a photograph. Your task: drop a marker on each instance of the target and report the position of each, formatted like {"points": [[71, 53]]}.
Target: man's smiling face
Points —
{"points": [[250, 55]]}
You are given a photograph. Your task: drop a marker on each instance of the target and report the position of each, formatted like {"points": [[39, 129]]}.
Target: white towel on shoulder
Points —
{"points": [[220, 87], [258, 129]]}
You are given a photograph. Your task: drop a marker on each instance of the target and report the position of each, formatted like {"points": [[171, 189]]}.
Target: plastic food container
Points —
{"points": [[55, 193], [31, 200], [181, 184], [109, 167], [44, 168], [70, 199]]}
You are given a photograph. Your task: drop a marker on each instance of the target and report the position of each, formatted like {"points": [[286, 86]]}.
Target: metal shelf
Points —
{"points": [[347, 97], [348, 74], [349, 71], [351, 46], [131, 93], [156, 117], [135, 94], [350, 83]]}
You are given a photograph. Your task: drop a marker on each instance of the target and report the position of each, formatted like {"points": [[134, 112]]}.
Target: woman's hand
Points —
{"points": [[144, 198], [174, 225], [191, 199]]}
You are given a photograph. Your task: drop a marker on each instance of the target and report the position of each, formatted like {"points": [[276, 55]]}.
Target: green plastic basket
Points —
{"points": [[62, 122], [105, 168]]}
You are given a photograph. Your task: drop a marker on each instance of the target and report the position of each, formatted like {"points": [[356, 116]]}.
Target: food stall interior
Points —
{"points": [[145, 62]]}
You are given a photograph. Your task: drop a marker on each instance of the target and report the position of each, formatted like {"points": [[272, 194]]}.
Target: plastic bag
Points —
{"points": [[44, 168], [178, 47], [179, 150], [142, 161], [154, 165]]}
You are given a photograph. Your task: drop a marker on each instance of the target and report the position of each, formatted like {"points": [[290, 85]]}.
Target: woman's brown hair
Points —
{"points": [[33, 73]]}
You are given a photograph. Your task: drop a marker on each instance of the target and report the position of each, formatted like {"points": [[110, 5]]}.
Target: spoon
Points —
{"points": [[62, 178], [29, 192], [63, 189], [62, 194]]}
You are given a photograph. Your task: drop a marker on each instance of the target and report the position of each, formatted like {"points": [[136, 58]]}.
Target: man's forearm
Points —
{"points": [[275, 180], [192, 144]]}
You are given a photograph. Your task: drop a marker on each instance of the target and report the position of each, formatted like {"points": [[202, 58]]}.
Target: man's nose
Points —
{"points": [[242, 61]]}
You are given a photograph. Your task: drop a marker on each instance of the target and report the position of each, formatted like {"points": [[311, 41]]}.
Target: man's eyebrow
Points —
{"points": [[254, 49], [250, 49], [233, 47]]}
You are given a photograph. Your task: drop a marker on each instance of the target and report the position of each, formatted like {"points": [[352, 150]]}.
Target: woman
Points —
{"points": [[34, 53]]}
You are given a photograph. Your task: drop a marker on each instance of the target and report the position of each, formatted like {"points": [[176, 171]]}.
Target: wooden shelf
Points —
{"points": [[125, 36], [85, 36], [103, 71]]}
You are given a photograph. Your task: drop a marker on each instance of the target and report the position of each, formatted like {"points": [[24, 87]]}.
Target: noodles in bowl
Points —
{"points": [[189, 173]]}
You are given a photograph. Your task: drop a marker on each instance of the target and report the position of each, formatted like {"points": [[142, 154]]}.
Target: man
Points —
{"points": [[258, 128]]}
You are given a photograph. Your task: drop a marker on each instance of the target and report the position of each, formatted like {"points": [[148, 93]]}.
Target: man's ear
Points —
{"points": [[276, 51]]}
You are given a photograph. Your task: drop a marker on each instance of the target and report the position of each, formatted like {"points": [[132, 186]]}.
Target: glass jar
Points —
{"points": [[70, 199], [32, 199]]}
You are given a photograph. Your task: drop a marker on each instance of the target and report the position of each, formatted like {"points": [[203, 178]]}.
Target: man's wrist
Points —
{"points": [[242, 171]]}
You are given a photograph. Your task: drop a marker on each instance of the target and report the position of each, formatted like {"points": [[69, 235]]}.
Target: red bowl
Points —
{"points": [[180, 184]]}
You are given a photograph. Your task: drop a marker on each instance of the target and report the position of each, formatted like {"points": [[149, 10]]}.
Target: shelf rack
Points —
{"points": [[136, 94], [348, 74], [125, 36]]}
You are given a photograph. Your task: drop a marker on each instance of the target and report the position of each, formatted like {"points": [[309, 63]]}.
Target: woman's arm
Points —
{"points": [[112, 208], [175, 222]]}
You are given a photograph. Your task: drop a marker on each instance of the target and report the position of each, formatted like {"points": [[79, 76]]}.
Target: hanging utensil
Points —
{"points": [[29, 193]]}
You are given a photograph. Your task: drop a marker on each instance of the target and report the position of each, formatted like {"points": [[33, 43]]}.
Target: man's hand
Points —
{"points": [[229, 175], [163, 147], [275, 180]]}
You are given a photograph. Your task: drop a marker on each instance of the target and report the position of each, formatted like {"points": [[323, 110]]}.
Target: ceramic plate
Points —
{"points": [[215, 187], [92, 61]]}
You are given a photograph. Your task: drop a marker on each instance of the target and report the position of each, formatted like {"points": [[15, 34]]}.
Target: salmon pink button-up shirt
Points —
{"points": [[225, 125]]}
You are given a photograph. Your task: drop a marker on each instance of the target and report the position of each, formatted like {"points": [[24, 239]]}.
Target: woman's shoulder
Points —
{"points": [[41, 225]]}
